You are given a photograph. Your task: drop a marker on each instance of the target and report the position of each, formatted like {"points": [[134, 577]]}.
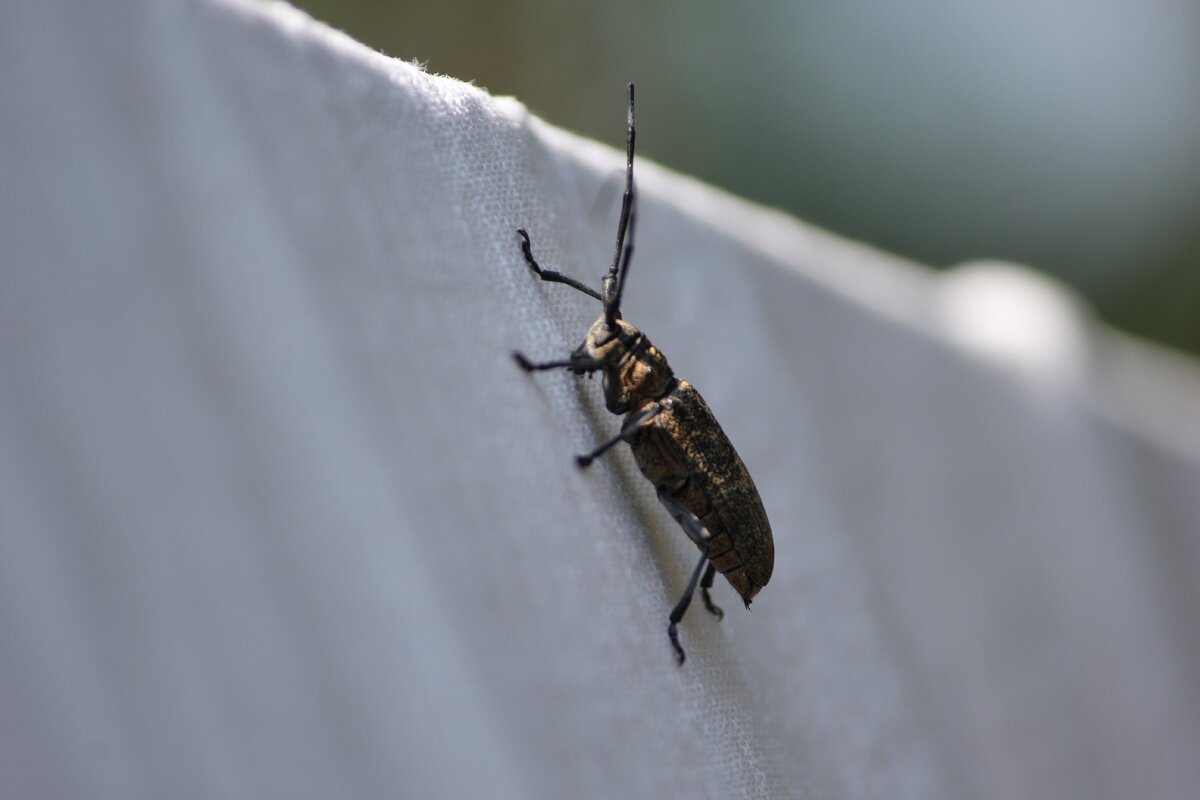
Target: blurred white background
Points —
{"points": [[1059, 134]]}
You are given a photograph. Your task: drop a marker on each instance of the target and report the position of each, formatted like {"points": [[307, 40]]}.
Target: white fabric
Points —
{"points": [[280, 518]]}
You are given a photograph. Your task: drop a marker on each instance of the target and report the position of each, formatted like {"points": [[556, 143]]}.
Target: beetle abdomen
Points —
{"points": [[684, 452]]}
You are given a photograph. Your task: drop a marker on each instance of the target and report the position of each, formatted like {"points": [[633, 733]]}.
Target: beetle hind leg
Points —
{"points": [[705, 584], [681, 608], [696, 531]]}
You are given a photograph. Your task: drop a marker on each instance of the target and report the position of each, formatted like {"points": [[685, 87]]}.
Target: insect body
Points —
{"points": [[675, 438]]}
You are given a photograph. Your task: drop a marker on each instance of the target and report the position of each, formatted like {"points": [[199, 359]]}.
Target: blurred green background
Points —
{"points": [[1062, 134]]}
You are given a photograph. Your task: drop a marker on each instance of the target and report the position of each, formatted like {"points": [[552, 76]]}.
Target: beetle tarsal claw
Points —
{"points": [[674, 634], [712, 607]]}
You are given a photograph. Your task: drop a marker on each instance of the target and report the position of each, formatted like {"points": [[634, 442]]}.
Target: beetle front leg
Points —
{"points": [[551, 276], [627, 432], [529, 366], [580, 366]]}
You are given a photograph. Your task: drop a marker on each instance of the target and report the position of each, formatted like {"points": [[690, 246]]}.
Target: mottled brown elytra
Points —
{"points": [[674, 436]]}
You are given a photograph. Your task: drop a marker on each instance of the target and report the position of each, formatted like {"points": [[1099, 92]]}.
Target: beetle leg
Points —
{"points": [[549, 275], [529, 366], [696, 531], [580, 366], [705, 584], [690, 523], [627, 432], [682, 606]]}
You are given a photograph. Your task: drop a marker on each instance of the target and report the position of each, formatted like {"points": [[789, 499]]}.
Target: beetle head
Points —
{"points": [[635, 372]]}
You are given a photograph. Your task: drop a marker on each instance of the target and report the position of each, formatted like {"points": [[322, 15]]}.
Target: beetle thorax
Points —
{"points": [[635, 372]]}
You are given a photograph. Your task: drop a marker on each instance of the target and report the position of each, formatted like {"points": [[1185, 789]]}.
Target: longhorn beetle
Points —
{"points": [[675, 438]]}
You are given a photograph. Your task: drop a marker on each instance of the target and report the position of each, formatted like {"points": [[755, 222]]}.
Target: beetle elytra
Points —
{"points": [[677, 443]]}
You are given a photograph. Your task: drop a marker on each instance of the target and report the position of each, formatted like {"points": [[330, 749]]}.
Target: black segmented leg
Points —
{"points": [[681, 608], [549, 275], [577, 364], [529, 366], [627, 431], [690, 523], [705, 584], [696, 531]]}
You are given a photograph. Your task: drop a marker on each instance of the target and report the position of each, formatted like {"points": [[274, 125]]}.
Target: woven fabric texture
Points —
{"points": [[279, 517]]}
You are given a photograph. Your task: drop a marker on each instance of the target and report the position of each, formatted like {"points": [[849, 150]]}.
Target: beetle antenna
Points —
{"points": [[614, 281]]}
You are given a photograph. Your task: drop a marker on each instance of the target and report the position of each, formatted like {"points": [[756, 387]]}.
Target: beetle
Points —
{"points": [[676, 441]]}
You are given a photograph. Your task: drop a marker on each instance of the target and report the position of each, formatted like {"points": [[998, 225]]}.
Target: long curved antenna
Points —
{"points": [[616, 300], [614, 281]]}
